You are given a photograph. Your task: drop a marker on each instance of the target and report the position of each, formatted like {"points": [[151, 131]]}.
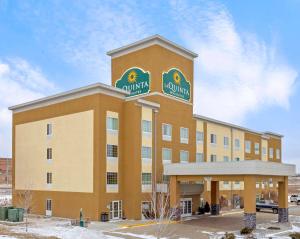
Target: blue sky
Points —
{"points": [[247, 71]]}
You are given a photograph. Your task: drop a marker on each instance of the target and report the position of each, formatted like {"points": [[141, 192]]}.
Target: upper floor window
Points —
{"points": [[264, 151], [226, 142], [112, 151], [199, 137], [49, 153], [49, 129], [271, 152], [237, 144], [213, 138], [146, 126], [167, 132], [256, 148], [184, 135], [49, 178], [146, 152], [111, 178], [226, 159], [199, 157], [247, 146], [146, 178], [112, 123], [277, 153], [184, 156], [167, 155], [213, 158]]}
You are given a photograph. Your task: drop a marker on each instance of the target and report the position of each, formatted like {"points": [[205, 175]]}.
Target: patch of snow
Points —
{"points": [[144, 236]]}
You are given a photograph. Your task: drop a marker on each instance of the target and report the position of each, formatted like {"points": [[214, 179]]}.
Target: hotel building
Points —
{"points": [[107, 148]]}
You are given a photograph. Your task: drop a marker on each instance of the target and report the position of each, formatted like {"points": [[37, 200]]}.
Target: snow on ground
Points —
{"points": [[137, 235]]}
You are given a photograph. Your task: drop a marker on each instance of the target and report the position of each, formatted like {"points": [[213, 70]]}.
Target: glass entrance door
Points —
{"points": [[186, 207], [116, 210]]}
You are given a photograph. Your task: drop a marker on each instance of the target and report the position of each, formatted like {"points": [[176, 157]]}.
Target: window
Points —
{"points": [[256, 148], [167, 155], [146, 178], [213, 158], [225, 183], [247, 146], [226, 159], [277, 153], [146, 152], [271, 153], [49, 129], [226, 142], [213, 138], [111, 178], [112, 123], [184, 135], [199, 137], [199, 157], [184, 156], [49, 153], [237, 182], [146, 126], [166, 178], [112, 151], [49, 205], [167, 132], [264, 151], [237, 159], [49, 178], [237, 144]]}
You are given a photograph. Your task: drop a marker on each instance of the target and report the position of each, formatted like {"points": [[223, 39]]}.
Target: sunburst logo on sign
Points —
{"points": [[134, 80], [132, 76], [176, 78], [175, 84]]}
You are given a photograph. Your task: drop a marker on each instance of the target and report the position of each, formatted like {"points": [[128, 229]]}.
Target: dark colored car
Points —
{"points": [[267, 205]]}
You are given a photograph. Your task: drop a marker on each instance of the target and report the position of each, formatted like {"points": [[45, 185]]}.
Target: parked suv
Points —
{"points": [[268, 205], [294, 198]]}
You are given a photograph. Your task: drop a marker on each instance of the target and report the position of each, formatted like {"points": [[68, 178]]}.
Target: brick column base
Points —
{"points": [[175, 214], [283, 214], [250, 220], [215, 209]]}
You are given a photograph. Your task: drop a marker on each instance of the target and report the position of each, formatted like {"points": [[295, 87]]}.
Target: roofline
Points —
{"points": [[149, 41], [235, 126], [71, 94]]}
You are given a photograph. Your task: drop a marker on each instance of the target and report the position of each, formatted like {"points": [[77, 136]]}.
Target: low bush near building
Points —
{"points": [[295, 235], [246, 230], [228, 236]]}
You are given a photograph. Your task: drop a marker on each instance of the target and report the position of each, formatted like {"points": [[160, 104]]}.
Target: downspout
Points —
{"points": [[155, 162], [231, 131]]}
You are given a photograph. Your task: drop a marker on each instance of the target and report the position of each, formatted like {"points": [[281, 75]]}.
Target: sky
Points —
{"points": [[247, 71]]}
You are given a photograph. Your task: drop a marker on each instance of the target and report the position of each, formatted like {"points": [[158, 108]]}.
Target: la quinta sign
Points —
{"points": [[174, 83], [134, 80]]}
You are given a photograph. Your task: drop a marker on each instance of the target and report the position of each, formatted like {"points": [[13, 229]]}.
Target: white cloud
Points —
{"points": [[19, 82], [235, 73]]}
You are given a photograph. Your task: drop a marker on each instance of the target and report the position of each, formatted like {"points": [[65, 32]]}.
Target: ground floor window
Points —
{"points": [[115, 211], [147, 212], [48, 207]]}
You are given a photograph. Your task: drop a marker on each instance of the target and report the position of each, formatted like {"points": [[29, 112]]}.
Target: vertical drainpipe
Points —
{"points": [[231, 132], [155, 162]]}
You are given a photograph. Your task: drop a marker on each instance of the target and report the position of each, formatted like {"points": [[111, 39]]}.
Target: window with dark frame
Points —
{"points": [[49, 178], [112, 150], [49, 153], [111, 178]]}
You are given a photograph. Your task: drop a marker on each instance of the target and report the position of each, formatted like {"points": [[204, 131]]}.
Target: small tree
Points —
{"points": [[25, 201]]}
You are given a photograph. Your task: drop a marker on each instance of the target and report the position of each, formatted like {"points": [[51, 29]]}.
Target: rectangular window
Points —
{"points": [[166, 155], [184, 156], [167, 132], [112, 151], [271, 152], [213, 138], [248, 146], [237, 182], [264, 151], [49, 205], [146, 178], [277, 153], [166, 178], [226, 159], [226, 183], [49, 129], [49, 153], [112, 123], [237, 144], [49, 178], [146, 126], [226, 142], [146, 152], [184, 135], [256, 148], [199, 137], [213, 158], [199, 157], [111, 178]]}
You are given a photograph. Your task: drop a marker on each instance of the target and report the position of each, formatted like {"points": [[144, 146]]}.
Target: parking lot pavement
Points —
{"points": [[206, 225]]}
